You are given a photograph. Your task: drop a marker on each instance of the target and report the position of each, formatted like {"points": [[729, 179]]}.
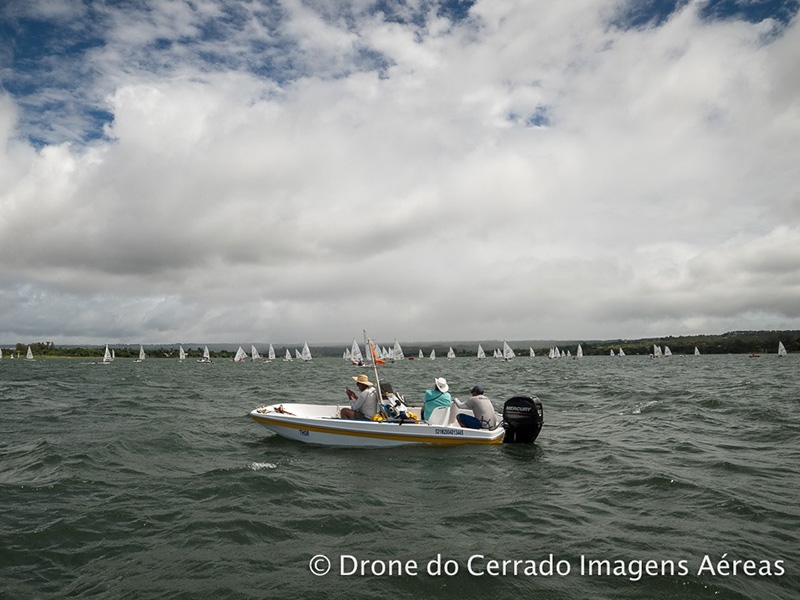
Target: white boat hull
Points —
{"points": [[320, 425]]}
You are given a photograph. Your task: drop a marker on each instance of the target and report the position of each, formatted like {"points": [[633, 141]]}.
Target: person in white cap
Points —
{"points": [[437, 396], [363, 405]]}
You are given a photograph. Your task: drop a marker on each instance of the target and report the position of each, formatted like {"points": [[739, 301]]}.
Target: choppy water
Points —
{"points": [[147, 481]]}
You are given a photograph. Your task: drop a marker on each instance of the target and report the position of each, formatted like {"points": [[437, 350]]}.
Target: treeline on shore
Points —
{"points": [[734, 342]]}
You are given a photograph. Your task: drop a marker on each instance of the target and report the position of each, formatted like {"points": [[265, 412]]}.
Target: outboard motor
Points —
{"points": [[523, 418]]}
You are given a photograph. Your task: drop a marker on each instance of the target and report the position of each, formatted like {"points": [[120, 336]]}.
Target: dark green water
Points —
{"points": [[147, 481]]}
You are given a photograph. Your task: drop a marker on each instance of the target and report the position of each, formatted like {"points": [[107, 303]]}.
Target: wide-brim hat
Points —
{"points": [[363, 379], [441, 384]]}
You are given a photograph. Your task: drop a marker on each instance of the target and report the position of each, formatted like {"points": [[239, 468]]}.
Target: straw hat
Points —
{"points": [[363, 379], [441, 384]]}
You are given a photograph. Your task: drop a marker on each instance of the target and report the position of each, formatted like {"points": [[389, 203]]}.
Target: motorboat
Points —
{"points": [[321, 424]]}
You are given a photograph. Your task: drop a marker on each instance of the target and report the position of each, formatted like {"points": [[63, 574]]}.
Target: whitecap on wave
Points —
{"points": [[257, 466], [638, 409]]}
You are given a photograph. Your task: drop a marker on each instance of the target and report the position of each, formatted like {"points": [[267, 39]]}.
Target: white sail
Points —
{"points": [[696, 351], [397, 351], [181, 354], [271, 353], [508, 353], [531, 353], [667, 351], [306, 354], [433, 354], [621, 353], [579, 353], [240, 355], [288, 355], [1, 354], [611, 352], [451, 353], [254, 355], [420, 353], [29, 355], [206, 356], [481, 353], [142, 355], [781, 349], [355, 354], [657, 351], [113, 355], [297, 354]]}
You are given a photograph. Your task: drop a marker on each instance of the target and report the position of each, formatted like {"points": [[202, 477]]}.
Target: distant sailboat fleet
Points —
{"points": [[382, 354]]}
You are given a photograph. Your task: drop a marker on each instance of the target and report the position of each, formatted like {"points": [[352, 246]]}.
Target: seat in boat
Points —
{"points": [[441, 415]]}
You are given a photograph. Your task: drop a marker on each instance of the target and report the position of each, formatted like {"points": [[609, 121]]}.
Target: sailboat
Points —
{"points": [[1, 354], [579, 352], [656, 351], [254, 355], [106, 358], [397, 351], [288, 356], [667, 351], [240, 355], [781, 349], [181, 354], [420, 353], [355, 354], [270, 354], [433, 354], [508, 353], [451, 353], [206, 356], [481, 353], [141, 355], [306, 353], [531, 353], [29, 355], [696, 351]]}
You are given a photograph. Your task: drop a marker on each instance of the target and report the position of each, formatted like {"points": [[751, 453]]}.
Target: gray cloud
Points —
{"points": [[526, 172]]}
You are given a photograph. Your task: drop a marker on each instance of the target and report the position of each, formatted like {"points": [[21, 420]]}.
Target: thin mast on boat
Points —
{"points": [[375, 362]]}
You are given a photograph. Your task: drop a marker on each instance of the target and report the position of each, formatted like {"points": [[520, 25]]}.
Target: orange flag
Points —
{"points": [[375, 358]]}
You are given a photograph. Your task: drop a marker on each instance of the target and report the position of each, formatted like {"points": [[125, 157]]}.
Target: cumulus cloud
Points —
{"points": [[302, 170]]}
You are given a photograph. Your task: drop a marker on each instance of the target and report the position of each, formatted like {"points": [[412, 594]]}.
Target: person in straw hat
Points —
{"points": [[363, 405], [436, 396]]}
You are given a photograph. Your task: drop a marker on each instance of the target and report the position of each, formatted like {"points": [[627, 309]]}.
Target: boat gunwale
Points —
{"points": [[421, 432]]}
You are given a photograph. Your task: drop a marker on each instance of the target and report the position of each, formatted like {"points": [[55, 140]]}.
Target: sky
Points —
{"points": [[302, 170]]}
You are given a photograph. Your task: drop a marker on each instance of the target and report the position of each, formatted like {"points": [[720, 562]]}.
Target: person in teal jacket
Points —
{"points": [[437, 396]]}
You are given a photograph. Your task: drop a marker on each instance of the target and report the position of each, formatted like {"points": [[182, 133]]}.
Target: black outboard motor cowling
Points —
{"points": [[523, 418]]}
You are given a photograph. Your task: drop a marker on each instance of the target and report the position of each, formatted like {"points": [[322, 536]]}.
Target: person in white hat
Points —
{"points": [[437, 396], [363, 405]]}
